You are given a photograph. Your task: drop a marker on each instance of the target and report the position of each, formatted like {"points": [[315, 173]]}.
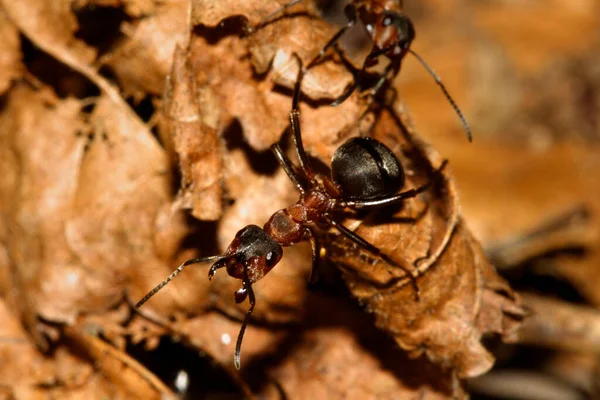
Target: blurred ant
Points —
{"points": [[391, 32], [365, 174]]}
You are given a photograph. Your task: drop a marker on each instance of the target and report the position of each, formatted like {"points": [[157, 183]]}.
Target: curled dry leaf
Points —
{"points": [[195, 139], [460, 291], [338, 353], [330, 362]]}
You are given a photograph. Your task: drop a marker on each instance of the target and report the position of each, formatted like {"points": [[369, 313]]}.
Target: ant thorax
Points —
{"points": [[288, 226]]}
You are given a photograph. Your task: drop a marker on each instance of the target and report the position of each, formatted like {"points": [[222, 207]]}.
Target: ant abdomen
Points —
{"points": [[365, 169]]}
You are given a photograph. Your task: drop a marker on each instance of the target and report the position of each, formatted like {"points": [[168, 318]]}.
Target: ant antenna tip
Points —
{"points": [[236, 361]]}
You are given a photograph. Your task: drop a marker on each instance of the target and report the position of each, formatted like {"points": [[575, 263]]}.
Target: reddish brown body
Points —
{"points": [[288, 226], [372, 13]]}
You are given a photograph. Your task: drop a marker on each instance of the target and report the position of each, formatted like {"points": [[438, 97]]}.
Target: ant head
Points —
{"points": [[254, 250], [365, 168], [394, 29], [391, 30]]}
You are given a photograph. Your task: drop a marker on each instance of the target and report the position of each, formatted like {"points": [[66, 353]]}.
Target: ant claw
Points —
{"points": [[211, 272]]}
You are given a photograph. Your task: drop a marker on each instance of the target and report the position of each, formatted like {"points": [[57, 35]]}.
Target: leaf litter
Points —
{"points": [[91, 219]]}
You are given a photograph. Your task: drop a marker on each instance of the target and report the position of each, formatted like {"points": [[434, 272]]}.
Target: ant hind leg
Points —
{"points": [[376, 252]]}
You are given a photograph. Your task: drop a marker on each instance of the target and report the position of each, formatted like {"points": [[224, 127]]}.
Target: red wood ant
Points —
{"points": [[391, 32], [365, 174]]}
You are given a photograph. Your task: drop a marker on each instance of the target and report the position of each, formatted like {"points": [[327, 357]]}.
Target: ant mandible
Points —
{"points": [[392, 34], [365, 174]]}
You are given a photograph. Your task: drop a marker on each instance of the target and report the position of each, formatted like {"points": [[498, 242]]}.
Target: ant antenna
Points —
{"points": [[174, 274], [438, 80]]}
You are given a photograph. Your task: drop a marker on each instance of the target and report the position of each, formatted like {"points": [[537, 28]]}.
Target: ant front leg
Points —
{"points": [[351, 14], [288, 167], [392, 67], [295, 123], [369, 61], [240, 296], [316, 254], [375, 251]]}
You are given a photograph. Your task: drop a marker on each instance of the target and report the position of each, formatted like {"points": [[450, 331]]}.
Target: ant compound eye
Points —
{"points": [[406, 31], [387, 21], [365, 168]]}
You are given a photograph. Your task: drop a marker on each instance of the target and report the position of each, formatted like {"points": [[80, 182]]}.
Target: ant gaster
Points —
{"points": [[392, 34], [365, 174]]}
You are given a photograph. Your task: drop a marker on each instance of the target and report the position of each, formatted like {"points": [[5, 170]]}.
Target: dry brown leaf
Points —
{"points": [[77, 243], [123, 371], [22, 364], [222, 61], [332, 350], [51, 25], [460, 291], [44, 138], [142, 59], [195, 139], [25, 373], [10, 52]]}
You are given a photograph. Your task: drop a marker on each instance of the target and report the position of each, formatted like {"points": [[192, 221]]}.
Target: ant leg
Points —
{"points": [[270, 18], [394, 199], [316, 255], [392, 67], [247, 285], [375, 251], [175, 273], [330, 43], [358, 78], [295, 123], [288, 167]]}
